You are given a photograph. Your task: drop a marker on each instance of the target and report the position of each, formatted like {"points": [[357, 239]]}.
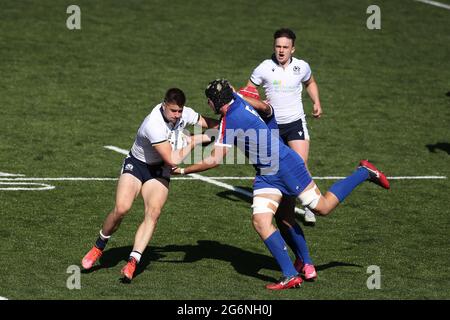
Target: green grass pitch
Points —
{"points": [[64, 94]]}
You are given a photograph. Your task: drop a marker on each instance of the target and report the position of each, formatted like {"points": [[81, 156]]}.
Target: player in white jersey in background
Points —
{"points": [[283, 77], [146, 171]]}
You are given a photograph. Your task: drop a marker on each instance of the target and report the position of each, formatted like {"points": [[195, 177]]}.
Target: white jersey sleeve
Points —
{"points": [[154, 131], [257, 76], [307, 71], [190, 116]]}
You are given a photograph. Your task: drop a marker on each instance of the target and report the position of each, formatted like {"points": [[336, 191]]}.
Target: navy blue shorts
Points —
{"points": [[296, 130], [144, 171], [291, 179]]}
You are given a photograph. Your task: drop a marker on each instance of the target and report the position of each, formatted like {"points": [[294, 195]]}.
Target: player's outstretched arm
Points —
{"points": [[214, 160], [250, 94], [175, 157], [263, 108]]}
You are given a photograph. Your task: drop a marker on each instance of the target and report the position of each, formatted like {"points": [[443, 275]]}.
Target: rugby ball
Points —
{"points": [[249, 91], [178, 140]]}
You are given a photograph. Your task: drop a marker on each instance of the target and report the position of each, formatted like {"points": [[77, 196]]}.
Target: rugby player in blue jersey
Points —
{"points": [[279, 170]]}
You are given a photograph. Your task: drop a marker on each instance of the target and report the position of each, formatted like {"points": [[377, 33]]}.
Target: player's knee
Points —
{"points": [[261, 222], [120, 210], [152, 213], [311, 198]]}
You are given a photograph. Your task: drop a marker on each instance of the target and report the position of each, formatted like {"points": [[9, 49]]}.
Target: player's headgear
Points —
{"points": [[219, 92]]}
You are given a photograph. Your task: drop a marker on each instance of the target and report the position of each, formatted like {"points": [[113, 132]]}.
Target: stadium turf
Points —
{"points": [[64, 94]]}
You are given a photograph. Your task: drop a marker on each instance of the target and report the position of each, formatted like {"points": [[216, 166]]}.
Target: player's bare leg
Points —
{"points": [[326, 203], [128, 188], [301, 147], [155, 193]]}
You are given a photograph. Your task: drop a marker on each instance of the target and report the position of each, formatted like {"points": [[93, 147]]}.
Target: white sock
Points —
{"points": [[136, 255]]}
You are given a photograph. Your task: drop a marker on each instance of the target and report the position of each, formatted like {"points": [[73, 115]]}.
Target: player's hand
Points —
{"points": [[317, 110], [176, 171]]}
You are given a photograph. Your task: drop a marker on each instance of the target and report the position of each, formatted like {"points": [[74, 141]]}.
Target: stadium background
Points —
{"points": [[65, 94]]}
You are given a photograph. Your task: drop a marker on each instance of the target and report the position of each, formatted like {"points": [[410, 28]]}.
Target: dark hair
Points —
{"points": [[175, 95], [219, 92], [285, 32]]}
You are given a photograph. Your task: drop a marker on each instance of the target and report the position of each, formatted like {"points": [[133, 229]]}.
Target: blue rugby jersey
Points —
{"points": [[243, 127]]}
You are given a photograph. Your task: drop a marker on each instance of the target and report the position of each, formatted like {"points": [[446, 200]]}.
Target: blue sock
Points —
{"points": [[301, 248], [343, 188], [277, 248], [101, 243]]}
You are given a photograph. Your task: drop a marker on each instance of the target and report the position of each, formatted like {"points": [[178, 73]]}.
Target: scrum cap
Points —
{"points": [[219, 92]]}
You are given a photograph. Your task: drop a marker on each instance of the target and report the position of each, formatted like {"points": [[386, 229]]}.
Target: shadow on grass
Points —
{"points": [[335, 264], [234, 196], [112, 257], [444, 146], [243, 261]]}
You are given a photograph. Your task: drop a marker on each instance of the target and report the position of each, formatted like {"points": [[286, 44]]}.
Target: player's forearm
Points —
{"points": [[206, 164], [179, 155], [263, 108], [313, 92]]}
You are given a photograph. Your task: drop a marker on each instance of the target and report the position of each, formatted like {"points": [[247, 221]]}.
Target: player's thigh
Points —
{"points": [[128, 189], [301, 147], [155, 193]]}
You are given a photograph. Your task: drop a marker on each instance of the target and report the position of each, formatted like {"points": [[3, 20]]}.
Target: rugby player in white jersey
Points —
{"points": [[283, 77], [146, 171]]}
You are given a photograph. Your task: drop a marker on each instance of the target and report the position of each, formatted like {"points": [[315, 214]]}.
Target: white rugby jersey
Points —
{"points": [[155, 129], [283, 87]]}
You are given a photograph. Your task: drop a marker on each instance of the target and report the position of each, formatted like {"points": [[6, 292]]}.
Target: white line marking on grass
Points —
{"points": [[5, 174], [43, 186], [117, 149], [3, 298], [59, 179], [417, 177], [435, 3]]}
